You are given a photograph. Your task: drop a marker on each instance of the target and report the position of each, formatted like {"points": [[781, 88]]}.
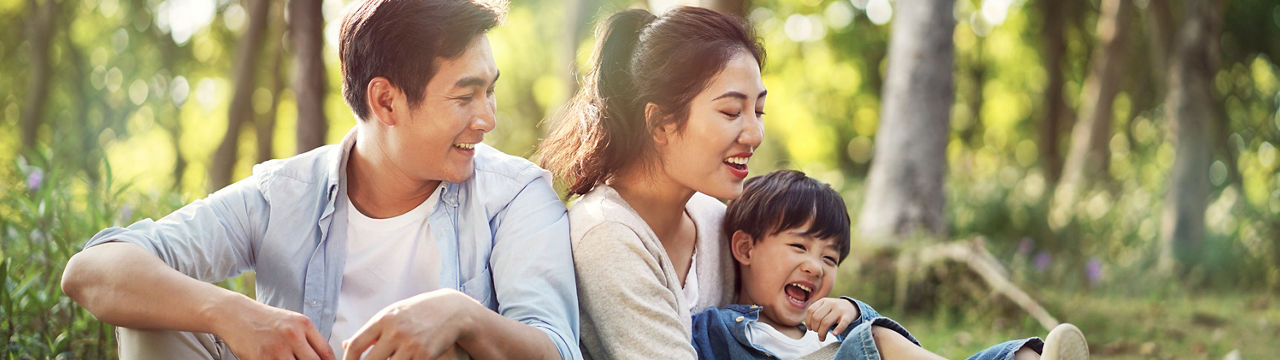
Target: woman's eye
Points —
{"points": [[731, 114]]}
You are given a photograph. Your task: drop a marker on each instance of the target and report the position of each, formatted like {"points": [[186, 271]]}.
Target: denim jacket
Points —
{"points": [[721, 333], [503, 236]]}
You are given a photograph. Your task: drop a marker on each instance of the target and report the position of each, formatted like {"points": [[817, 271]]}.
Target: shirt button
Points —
{"points": [[753, 307], [739, 319]]}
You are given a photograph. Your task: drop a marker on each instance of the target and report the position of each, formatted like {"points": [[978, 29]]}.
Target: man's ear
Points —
{"points": [[653, 115], [382, 98], [741, 244]]}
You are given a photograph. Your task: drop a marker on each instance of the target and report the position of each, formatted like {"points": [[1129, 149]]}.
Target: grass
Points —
{"points": [[1178, 324]]}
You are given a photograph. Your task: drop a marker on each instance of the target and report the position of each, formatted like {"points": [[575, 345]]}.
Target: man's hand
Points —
{"points": [[421, 327], [260, 331], [830, 314]]}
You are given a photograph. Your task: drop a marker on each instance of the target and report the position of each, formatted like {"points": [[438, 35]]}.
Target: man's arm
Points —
{"points": [[125, 285], [155, 274], [431, 324], [533, 279]]}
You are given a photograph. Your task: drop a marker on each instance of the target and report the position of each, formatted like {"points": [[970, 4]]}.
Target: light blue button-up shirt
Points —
{"points": [[503, 236]]}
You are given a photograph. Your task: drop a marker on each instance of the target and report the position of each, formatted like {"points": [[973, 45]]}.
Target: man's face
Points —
{"points": [[437, 141]]}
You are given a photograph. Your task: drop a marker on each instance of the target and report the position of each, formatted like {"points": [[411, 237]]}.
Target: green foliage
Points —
{"points": [[123, 91], [43, 221]]}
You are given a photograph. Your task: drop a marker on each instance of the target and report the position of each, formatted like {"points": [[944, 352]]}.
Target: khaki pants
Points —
{"points": [[163, 344]]}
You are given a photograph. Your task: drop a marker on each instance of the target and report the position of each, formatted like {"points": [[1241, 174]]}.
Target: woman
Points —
{"points": [[665, 122], [670, 110]]}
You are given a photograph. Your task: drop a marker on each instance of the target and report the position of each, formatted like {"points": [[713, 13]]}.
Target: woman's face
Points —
{"points": [[725, 126]]}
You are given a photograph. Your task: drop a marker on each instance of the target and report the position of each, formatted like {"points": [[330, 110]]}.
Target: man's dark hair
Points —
{"points": [[401, 39], [786, 199]]}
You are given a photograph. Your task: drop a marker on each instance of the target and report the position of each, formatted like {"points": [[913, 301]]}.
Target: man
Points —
{"points": [[410, 238]]}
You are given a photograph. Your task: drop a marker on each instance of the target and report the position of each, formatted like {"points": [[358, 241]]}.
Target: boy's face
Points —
{"points": [[785, 272]]}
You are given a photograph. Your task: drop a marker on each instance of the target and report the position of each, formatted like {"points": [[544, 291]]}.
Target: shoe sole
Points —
{"points": [[1065, 342]]}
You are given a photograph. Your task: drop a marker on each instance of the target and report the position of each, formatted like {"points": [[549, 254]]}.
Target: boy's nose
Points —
{"points": [[811, 266]]}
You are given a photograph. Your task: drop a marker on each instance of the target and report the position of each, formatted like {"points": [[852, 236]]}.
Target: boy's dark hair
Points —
{"points": [[401, 39], [787, 199]]}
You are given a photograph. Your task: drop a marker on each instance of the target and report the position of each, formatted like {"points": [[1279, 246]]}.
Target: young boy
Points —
{"points": [[787, 233]]}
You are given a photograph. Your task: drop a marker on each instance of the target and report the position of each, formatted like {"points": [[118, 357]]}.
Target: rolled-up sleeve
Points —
{"points": [[532, 266], [210, 240]]}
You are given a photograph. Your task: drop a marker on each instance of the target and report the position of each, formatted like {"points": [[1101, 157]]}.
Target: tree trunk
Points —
{"points": [[735, 7], [39, 31], [1089, 154], [307, 31], [266, 123], [1053, 13], [241, 110], [1193, 64], [569, 46], [905, 187]]}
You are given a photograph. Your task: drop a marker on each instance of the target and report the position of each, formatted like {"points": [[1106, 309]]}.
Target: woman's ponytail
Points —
{"points": [[592, 131], [639, 59]]}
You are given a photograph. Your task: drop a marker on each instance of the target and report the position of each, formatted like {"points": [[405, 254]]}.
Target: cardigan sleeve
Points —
{"points": [[628, 308]]}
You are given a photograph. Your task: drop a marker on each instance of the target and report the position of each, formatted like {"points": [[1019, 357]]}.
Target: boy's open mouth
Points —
{"points": [[798, 293]]}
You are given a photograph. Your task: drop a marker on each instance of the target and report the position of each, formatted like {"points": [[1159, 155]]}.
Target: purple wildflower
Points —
{"points": [[35, 178], [1026, 246], [1043, 260], [126, 213], [1093, 270]]}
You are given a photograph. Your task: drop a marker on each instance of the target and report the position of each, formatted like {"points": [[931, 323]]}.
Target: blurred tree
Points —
{"points": [[904, 191], [1053, 14], [1192, 112], [39, 31], [735, 7], [266, 121], [306, 29], [241, 109], [1087, 158]]}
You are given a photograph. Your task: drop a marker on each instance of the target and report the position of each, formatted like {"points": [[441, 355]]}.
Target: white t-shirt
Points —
{"points": [[690, 289], [783, 346], [388, 260]]}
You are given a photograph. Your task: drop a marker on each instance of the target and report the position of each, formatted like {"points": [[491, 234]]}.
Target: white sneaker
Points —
{"points": [[1065, 342]]}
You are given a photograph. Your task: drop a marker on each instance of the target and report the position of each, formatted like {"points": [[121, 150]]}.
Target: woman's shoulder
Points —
{"points": [[705, 209], [602, 205]]}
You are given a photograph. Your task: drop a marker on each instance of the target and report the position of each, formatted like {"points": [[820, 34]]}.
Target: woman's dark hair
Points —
{"points": [[401, 39], [786, 199], [639, 58]]}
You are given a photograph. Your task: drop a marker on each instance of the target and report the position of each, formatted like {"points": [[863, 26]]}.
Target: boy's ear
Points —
{"points": [[741, 244]]}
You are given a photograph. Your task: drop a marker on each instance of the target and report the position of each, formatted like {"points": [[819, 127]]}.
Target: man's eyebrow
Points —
{"points": [[475, 81], [738, 95]]}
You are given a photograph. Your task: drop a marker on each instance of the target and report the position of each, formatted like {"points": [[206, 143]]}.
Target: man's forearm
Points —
{"points": [[492, 336], [125, 285]]}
